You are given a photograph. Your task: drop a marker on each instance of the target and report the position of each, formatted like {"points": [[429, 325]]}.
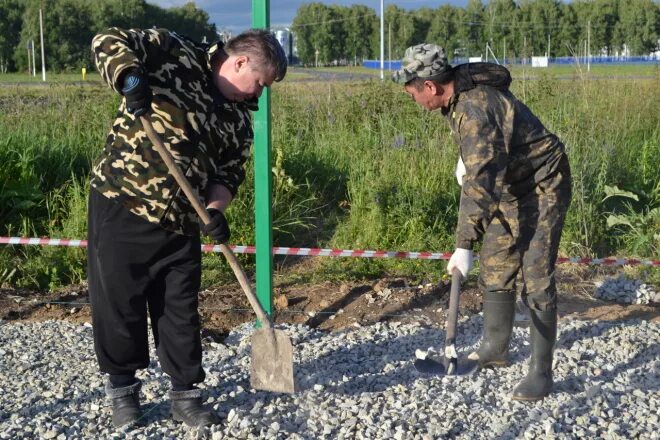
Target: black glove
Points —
{"points": [[218, 228], [137, 92]]}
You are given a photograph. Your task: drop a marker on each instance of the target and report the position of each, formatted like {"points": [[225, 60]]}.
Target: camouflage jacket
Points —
{"points": [[208, 137], [506, 150]]}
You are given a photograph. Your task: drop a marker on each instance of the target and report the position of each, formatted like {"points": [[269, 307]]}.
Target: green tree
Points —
{"points": [[303, 30], [119, 13], [443, 29], [186, 20], [11, 22], [500, 17], [470, 34], [405, 28], [540, 20], [320, 28], [638, 27], [598, 18], [360, 25], [68, 31], [568, 36]]}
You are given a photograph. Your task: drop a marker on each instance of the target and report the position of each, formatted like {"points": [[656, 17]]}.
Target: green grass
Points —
{"points": [[346, 69], [356, 165], [51, 78], [613, 70]]}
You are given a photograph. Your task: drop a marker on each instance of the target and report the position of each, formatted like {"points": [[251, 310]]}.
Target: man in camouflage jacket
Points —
{"points": [[144, 236], [516, 189]]}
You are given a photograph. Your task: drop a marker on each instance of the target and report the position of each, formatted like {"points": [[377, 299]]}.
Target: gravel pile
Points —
{"points": [[358, 383], [626, 291]]}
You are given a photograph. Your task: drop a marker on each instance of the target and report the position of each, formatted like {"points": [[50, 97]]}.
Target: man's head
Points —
{"points": [[427, 75], [251, 61]]}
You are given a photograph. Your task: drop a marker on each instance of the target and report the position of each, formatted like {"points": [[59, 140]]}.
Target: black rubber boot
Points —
{"points": [[187, 408], [125, 403], [499, 311], [543, 334]]}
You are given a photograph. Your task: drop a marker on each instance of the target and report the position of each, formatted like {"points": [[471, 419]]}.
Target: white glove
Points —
{"points": [[460, 171], [461, 259]]}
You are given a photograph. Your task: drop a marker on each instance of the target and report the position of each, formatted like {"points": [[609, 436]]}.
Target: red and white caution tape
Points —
{"points": [[316, 252]]}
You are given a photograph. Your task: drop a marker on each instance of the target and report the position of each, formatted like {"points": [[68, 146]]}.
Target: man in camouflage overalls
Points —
{"points": [[516, 189], [144, 248]]}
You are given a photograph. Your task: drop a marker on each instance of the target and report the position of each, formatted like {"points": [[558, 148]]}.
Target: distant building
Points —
{"points": [[224, 35], [285, 37]]}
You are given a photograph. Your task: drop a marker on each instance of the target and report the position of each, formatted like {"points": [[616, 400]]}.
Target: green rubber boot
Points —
{"points": [[499, 311], [543, 334]]}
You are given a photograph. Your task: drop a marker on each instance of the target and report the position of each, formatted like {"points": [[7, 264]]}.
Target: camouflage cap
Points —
{"points": [[423, 61]]}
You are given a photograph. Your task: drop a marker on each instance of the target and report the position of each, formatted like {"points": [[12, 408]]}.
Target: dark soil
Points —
{"points": [[330, 306]]}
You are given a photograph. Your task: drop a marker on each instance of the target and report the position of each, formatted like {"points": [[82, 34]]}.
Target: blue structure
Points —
{"points": [[396, 64]]}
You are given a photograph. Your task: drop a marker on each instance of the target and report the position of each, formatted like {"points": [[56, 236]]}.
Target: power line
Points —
{"points": [[332, 21]]}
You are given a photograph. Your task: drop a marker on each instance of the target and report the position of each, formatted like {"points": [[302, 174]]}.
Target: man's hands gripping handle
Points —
{"points": [[217, 228], [137, 93], [460, 260], [206, 219]]}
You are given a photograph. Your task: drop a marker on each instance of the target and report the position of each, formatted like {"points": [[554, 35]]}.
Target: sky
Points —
{"points": [[236, 15]]}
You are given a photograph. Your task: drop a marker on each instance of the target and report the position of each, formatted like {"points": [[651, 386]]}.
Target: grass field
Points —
{"points": [[608, 70], [356, 165]]}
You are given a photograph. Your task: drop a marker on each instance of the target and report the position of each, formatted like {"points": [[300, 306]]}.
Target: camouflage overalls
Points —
{"points": [[515, 193], [144, 242]]}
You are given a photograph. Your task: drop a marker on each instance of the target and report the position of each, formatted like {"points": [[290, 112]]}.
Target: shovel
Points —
{"points": [[449, 365], [271, 362]]}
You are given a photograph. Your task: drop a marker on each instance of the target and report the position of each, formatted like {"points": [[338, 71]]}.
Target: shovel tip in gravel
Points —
{"points": [[271, 362]]}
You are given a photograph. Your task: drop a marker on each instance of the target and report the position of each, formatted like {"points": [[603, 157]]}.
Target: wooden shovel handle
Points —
{"points": [[204, 215]]}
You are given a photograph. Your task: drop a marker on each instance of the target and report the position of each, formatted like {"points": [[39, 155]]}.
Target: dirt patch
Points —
{"points": [[332, 306]]}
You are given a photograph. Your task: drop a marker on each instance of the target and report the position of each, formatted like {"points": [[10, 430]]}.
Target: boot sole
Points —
{"points": [[180, 419], [134, 422], [529, 399], [493, 364]]}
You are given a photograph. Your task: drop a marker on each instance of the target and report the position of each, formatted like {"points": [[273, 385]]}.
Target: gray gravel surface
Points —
{"points": [[358, 383], [626, 291]]}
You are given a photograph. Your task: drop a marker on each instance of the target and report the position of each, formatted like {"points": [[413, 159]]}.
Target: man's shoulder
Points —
{"points": [[482, 100], [472, 103]]}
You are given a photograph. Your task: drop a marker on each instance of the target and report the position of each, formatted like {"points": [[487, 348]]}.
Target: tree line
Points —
{"points": [[327, 33], [70, 25]]}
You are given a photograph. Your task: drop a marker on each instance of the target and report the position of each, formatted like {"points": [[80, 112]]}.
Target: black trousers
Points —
{"points": [[134, 266]]}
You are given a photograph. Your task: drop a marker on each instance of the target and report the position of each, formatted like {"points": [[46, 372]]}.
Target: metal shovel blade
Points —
{"points": [[449, 365], [271, 362], [446, 367]]}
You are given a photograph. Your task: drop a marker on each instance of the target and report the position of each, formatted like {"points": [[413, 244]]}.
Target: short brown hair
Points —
{"points": [[263, 46]]}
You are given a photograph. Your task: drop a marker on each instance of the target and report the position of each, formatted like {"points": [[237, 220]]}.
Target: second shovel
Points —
{"points": [[449, 364]]}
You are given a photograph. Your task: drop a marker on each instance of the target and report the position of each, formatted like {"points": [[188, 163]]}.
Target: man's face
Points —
{"points": [[241, 79], [426, 96]]}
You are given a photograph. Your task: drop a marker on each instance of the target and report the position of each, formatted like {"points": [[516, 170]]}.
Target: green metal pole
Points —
{"points": [[263, 182]]}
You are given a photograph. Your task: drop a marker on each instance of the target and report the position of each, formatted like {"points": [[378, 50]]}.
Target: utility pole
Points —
{"points": [[382, 39], [548, 54], [504, 56], [34, 60], [43, 56], [29, 65], [389, 43], [589, 46]]}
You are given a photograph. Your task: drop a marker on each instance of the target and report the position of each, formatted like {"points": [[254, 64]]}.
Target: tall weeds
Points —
{"points": [[356, 165]]}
